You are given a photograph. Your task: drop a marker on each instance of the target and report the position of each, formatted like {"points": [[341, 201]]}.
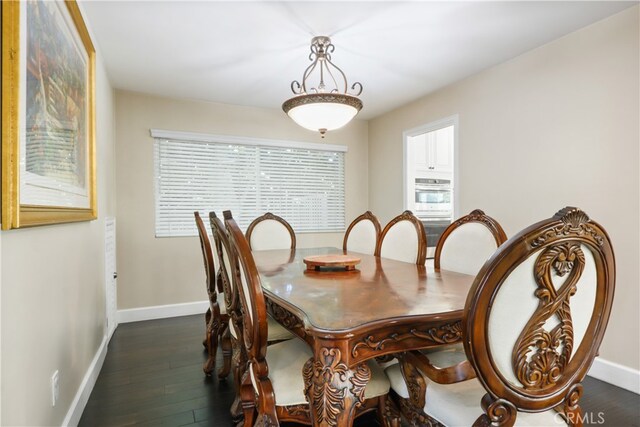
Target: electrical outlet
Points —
{"points": [[55, 388]]}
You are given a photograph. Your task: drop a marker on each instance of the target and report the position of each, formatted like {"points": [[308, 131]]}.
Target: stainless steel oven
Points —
{"points": [[433, 199]]}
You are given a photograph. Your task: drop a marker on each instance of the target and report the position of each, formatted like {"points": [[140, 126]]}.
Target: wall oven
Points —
{"points": [[433, 199]]}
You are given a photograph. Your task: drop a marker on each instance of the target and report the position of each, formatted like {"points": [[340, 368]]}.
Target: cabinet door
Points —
{"points": [[420, 152], [442, 150]]}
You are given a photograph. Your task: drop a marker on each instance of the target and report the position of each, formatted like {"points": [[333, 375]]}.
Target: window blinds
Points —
{"points": [[303, 185]]}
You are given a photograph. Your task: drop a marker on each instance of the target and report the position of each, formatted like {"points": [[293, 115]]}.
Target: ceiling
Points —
{"points": [[248, 53]]}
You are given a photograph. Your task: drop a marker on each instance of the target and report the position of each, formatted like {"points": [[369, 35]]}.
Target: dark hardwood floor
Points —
{"points": [[152, 376]]}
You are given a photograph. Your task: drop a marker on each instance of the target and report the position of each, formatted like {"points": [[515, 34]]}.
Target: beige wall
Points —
{"points": [[162, 271], [53, 306], [556, 126]]}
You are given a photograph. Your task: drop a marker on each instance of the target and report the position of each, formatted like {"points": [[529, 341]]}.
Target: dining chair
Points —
{"points": [[273, 387], [276, 332], [464, 246], [216, 318], [467, 243], [270, 231], [403, 239], [363, 234], [533, 322]]}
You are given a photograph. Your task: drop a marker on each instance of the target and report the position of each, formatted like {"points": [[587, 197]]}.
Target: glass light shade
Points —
{"points": [[323, 115], [322, 112]]}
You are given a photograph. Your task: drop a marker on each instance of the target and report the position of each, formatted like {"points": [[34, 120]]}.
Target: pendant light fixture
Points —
{"points": [[322, 102]]}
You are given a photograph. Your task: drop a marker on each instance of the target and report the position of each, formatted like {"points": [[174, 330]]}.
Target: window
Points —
{"points": [[302, 182]]}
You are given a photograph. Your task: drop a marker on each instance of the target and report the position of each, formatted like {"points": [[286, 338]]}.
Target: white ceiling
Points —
{"points": [[248, 53]]}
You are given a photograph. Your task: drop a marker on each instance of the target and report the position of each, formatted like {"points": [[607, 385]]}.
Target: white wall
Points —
{"points": [[52, 295], [556, 126], [169, 270]]}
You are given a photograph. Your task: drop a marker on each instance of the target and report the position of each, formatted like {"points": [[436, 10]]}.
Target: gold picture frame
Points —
{"points": [[48, 115]]}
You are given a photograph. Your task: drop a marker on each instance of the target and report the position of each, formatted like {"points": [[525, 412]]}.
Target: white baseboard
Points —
{"points": [[86, 387], [615, 374], [162, 311]]}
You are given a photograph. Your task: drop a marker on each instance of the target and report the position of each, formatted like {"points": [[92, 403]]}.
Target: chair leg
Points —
{"points": [[247, 398], [239, 362], [213, 330], [388, 414], [207, 319], [225, 343]]}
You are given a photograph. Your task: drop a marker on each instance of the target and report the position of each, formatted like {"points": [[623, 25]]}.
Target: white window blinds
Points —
{"points": [[298, 181]]}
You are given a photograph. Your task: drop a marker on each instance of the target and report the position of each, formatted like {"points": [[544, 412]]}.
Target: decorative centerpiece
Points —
{"points": [[331, 263]]}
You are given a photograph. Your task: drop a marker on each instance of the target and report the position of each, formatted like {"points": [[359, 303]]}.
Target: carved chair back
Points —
{"points": [[403, 239], [254, 314], [536, 314], [363, 234], [468, 243], [270, 231], [207, 256], [223, 250]]}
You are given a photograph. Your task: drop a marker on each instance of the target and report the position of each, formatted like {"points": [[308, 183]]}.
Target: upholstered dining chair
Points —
{"points": [[276, 332], [468, 242], [272, 387], [533, 322], [216, 318], [270, 231], [465, 245], [363, 234], [403, 239]]}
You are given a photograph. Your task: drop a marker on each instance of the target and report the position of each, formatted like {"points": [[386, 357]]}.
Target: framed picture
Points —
{"points": [[48, 115]]}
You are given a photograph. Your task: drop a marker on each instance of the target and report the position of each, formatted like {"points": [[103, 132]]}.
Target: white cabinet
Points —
{"points": [[433, 151]]}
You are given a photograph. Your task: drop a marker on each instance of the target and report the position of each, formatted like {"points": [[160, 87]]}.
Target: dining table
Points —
{"points": [[383, 307]]}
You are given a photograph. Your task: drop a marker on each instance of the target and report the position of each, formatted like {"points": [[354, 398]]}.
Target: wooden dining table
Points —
{"points": [[383, 307]]}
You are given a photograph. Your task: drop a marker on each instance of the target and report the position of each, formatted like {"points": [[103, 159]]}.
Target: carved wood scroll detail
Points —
{"points": [[444, 334], [477, 215], [498, 412], [540, 356], [574, 222], [282, 316], [329, 384]]}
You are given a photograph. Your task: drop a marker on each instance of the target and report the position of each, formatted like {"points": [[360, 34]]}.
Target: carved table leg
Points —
{"points": [[332, 389]]}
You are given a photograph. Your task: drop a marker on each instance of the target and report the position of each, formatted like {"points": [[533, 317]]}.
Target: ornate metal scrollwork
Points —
{"points": [[541, 356]]}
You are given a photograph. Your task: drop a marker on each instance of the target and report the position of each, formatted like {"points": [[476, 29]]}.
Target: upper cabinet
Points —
{"points": [[433, 152]]}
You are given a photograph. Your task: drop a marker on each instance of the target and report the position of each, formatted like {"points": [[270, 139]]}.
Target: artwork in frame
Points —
{"points": [[48, 115]]}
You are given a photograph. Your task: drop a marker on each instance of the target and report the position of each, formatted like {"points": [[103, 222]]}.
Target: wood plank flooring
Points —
{"points": [[152, 376]]}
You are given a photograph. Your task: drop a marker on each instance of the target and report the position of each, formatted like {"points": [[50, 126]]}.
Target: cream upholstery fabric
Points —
{"points": [[245, 292], [467, 248], [221, 304], [286, 360], [270, 234], [401, 243], [452, 355], [233, 331], [515, 303], [362, 238], [227, 265], [397, 380], [277, 332], [459, 404], [447, 356]]}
